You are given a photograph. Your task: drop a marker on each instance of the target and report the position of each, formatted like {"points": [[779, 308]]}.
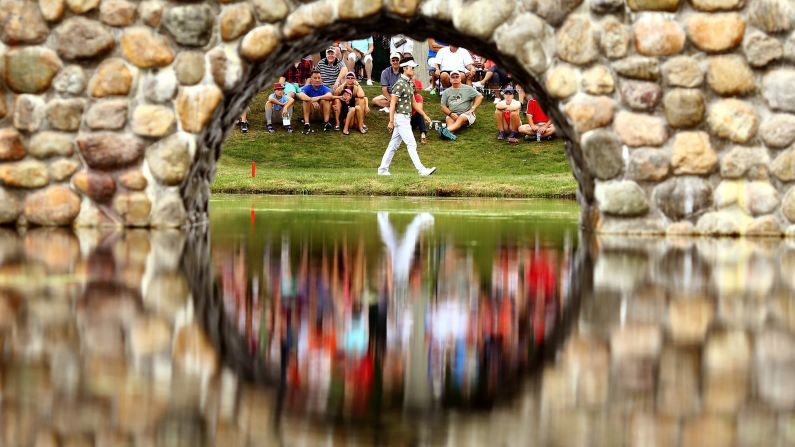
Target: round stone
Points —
{"points": [[82, 6], [24, 174], [169, 212], [648, 165], [772, 16], [52, 10], [196, 105], [152, 120], [778, 88], [561, 81], [656, 35], [653, 5], [28, 112], [117, 12], [477, 18], [715, 33], [108, 115], [151, 12], [146, 49], [783, 167], [133, 208], [10, 207], [732, 119], [112, 78], [133, 180], [189, 67], [359, 9], [603, 153], [65, 114], [30, 69], [637, 67], [760, 198], [97, 185], [270, 10], [555, 11], [788, 205], [717, 5], [683, 197], [778, 130], [56, 205], [62, 169], [259, 43], [22, 23], [693, 154], [682, 71], [640, 95], [621, 198], [730, 76], [575, 41], [764, 226], [160, 86], [589, 112], [190, 25], [598, 81], [614, 38], [743, 161], [11, 146], [70, 81], [761, 49], [169, 160], [684, 107], [81, 38], [637, 130], [51, 144], [307, 18], [107, 150], [225, 67]]}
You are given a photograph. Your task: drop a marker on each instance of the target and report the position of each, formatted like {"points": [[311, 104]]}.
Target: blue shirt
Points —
{"points": [[282, 100], [313, 92]]}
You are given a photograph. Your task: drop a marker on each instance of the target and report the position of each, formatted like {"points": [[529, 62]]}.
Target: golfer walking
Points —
{"points": [[400, 106]]}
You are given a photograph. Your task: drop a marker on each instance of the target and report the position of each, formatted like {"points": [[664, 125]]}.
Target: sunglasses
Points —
{"points": [[395, 59]]}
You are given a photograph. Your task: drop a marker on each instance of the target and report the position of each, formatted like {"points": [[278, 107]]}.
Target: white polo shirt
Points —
{"points": [[449, 61]]}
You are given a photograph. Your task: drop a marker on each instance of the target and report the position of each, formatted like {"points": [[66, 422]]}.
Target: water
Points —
{"points": [[376, 321]]}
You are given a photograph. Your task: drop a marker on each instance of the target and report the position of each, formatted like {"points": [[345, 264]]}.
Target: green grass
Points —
{"points": [[331, 163]]}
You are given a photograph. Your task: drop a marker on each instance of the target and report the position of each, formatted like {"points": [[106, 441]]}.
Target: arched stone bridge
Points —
{"points": [[678, 114]]}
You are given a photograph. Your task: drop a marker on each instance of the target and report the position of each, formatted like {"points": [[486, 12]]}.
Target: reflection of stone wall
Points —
{"points": [[679, 114]]}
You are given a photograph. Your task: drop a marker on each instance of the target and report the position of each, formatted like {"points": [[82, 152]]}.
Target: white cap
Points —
{"points": [[410, 63], [459, 72], [395, 55]]}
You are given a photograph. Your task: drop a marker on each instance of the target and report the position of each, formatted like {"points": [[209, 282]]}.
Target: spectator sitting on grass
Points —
{"points": [[361, 50], [418, 116], [434, 45], [389, 76], [538, 124], [454, 58], [459, 103], [317, 98], [352, 111], [280, 103], [331, 69], [507, 116], [360, 99]]}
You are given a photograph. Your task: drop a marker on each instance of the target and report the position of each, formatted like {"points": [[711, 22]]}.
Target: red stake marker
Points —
{"points": [[253, 168]]}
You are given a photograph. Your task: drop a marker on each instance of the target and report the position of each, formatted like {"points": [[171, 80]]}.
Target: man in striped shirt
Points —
{"points": [[331, 69]]}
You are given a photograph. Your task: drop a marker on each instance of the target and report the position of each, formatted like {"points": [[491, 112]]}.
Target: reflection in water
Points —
{"points": [[388, 328]]}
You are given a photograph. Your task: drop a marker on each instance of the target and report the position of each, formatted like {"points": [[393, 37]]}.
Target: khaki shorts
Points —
{"points": [[470, 117]]}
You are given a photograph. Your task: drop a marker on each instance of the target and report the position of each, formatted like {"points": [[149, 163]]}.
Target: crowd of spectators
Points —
{"points": [[329, 88]]}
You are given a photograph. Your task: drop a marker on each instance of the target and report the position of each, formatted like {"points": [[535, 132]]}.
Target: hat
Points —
{"points": [[278, 86], [508, 90], [350, 75], [331, 50], [458, 72], [348, 91], [395, 55], [409, 63]]}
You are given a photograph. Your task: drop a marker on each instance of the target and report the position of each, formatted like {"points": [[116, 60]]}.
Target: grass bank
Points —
{"points": [[331, 163]]}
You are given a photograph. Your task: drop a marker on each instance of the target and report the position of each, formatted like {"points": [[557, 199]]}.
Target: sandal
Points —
{"points": [[423, 139], [346, 132], [363, 130]]}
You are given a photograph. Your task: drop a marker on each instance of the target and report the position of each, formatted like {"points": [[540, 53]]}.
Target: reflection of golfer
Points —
{"points": [[402, 252], [400, 108]]}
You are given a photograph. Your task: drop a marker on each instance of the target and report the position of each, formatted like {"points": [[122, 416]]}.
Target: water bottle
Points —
{"points": [[538, 136]]}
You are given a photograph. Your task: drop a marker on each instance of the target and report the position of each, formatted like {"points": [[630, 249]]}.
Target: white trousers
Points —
{"points": [[402, 133]]}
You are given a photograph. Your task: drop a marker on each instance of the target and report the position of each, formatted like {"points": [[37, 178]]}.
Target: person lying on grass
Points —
{"points": [[459, 103], [282, 104], [352, 111], [316, 97], [507, 116], [358, 95]]}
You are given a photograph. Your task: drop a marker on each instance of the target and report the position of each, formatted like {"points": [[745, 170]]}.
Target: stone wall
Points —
{"points": [[678, 114]]}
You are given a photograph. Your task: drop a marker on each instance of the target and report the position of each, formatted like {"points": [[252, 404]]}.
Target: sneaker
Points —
{"points": [[428, 88], [383, 172], [427, 171], [501, 135], [289, 129], [337, 127], [244, 126], [306, 129], [271, 129], [385, 109], [369, 82], [512, 138], [327, 127], [447, 134]]}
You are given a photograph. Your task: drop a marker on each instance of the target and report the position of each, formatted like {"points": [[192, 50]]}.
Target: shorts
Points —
{"points": [[355, 55], [470, 118], [289, 87]]}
